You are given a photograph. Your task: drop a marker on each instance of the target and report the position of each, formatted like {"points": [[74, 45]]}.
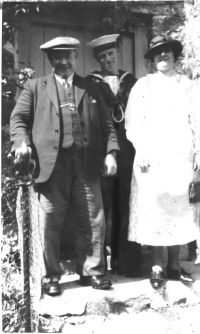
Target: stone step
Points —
{"points": [[126, 293]]}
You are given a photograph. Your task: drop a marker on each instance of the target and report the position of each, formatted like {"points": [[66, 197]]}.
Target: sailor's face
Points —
{"points": [[64, 61], [108, 60]]}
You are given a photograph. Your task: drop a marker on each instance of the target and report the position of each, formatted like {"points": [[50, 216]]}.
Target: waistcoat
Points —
{"points": [[70, 124]]}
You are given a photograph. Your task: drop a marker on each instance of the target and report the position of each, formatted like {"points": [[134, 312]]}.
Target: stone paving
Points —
{"points": [[86, 310]]}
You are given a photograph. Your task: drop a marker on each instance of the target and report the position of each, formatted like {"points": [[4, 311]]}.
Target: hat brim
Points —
{"points": [[59, 49], [176, 46]]}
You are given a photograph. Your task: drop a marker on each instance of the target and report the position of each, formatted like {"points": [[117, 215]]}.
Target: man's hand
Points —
{"points": [[24, 165], [110, 165], [23, 151]]}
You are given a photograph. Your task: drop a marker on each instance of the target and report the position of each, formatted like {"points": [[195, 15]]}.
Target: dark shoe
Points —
{"points": [[51, 289], [157, 280], [96, 282], [192, 248], [179, 275]]}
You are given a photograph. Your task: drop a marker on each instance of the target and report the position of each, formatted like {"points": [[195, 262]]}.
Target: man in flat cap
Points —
{"points": [[115, 85], [70, 134]]}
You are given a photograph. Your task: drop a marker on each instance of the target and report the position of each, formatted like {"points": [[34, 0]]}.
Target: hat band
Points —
{"points": [[104, 47]]}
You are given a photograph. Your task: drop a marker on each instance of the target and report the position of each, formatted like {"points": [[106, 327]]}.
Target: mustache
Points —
{"points": [[64, 65]]}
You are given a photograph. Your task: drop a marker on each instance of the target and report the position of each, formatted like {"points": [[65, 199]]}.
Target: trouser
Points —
{"points": [[125, 255], [69, 187]]}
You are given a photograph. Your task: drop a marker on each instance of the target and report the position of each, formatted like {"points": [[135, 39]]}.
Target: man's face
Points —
{"points": [[108, 60], [63, 61], [164, 59]]}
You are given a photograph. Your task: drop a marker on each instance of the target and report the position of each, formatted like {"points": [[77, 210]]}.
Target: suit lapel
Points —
{"points": [[79, 84], [52, 90], [79, 92]]}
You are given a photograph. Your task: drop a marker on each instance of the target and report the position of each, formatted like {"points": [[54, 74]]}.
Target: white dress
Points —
{"points": [[161, 126]]}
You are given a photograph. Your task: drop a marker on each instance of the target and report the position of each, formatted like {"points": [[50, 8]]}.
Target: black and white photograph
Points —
{"points": [[100, 167]]}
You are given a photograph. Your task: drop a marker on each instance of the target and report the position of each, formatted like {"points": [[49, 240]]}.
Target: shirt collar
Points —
{"points": [[68, 80]]}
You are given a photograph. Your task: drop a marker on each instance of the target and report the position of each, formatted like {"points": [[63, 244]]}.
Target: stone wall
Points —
{"points": [[180, 19]]}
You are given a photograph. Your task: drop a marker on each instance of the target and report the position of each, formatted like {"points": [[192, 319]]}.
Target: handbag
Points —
{"points": [[194, 192]]}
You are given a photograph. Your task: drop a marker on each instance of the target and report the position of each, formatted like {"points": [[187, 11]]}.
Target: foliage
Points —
{"points": [[12, 78], [10, 261], [192, 40], [12, 294], [12, 297]]}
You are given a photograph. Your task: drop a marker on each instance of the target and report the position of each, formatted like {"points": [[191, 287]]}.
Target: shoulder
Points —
{"points": [[144, 81], [95, 82], [33, 83], [95, 77], [79, 81], [127, 77], [184, 80]]}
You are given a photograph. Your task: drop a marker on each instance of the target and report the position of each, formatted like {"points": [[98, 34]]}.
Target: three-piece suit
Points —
{"points": [[70, 133]]}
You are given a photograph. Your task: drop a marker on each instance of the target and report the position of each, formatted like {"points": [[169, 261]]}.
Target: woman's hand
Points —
{"points": [[143, 163], [197, 161]]}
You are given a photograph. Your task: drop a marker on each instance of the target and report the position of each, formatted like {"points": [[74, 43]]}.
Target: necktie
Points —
{"points": [[66, 84]]}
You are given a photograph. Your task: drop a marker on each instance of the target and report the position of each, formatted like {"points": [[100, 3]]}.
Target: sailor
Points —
{"points": [[115, 85]]}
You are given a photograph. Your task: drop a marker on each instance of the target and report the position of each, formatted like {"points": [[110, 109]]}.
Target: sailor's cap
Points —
{"points": [[104, 42], [60, 43]]}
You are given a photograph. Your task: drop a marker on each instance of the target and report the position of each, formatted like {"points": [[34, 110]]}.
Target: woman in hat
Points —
{"points": [[161, 125]]}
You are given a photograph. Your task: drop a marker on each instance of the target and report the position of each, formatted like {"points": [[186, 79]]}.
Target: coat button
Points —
{"points": [[56, 131]]}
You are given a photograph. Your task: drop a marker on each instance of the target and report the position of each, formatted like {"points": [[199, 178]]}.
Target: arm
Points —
{"points": [[135, 114], [21, 119], [125, 87], [135, 121], [110, 137], [194, 118]]}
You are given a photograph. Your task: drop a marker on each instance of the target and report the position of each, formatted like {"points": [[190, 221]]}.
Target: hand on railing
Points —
{"points": [[24, 165]]}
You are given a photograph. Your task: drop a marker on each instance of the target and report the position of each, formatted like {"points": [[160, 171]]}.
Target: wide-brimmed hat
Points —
{"points": [[104, 42], [60, 43], [163, 41]]}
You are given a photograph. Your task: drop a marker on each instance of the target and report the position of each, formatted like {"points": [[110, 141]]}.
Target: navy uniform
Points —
{"points": [[115, 85], [57, 116]]}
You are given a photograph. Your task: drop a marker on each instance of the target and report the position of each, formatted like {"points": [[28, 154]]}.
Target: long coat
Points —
{"points": [[36, 120], [162, 124]]}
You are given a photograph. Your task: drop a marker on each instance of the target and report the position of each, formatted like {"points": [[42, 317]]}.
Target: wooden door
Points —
{"points": [[33, 35], [86, 62]]}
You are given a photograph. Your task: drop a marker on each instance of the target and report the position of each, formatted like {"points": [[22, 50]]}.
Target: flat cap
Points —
{"points": [[104, 42], [60, 43]]}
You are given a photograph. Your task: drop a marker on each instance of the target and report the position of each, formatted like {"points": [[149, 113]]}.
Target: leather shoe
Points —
{"points": [[157, 279], [51, 289], [179, 275], [99, 282]]}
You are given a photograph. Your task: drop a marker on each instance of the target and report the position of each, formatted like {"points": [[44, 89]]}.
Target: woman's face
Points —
{"points": [[164, 59]]}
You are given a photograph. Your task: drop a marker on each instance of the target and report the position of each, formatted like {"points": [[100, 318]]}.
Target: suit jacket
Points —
{"points": [[36, 120]]}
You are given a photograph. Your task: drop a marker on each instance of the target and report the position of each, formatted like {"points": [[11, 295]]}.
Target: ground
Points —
{"points": [[132, 305]]}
